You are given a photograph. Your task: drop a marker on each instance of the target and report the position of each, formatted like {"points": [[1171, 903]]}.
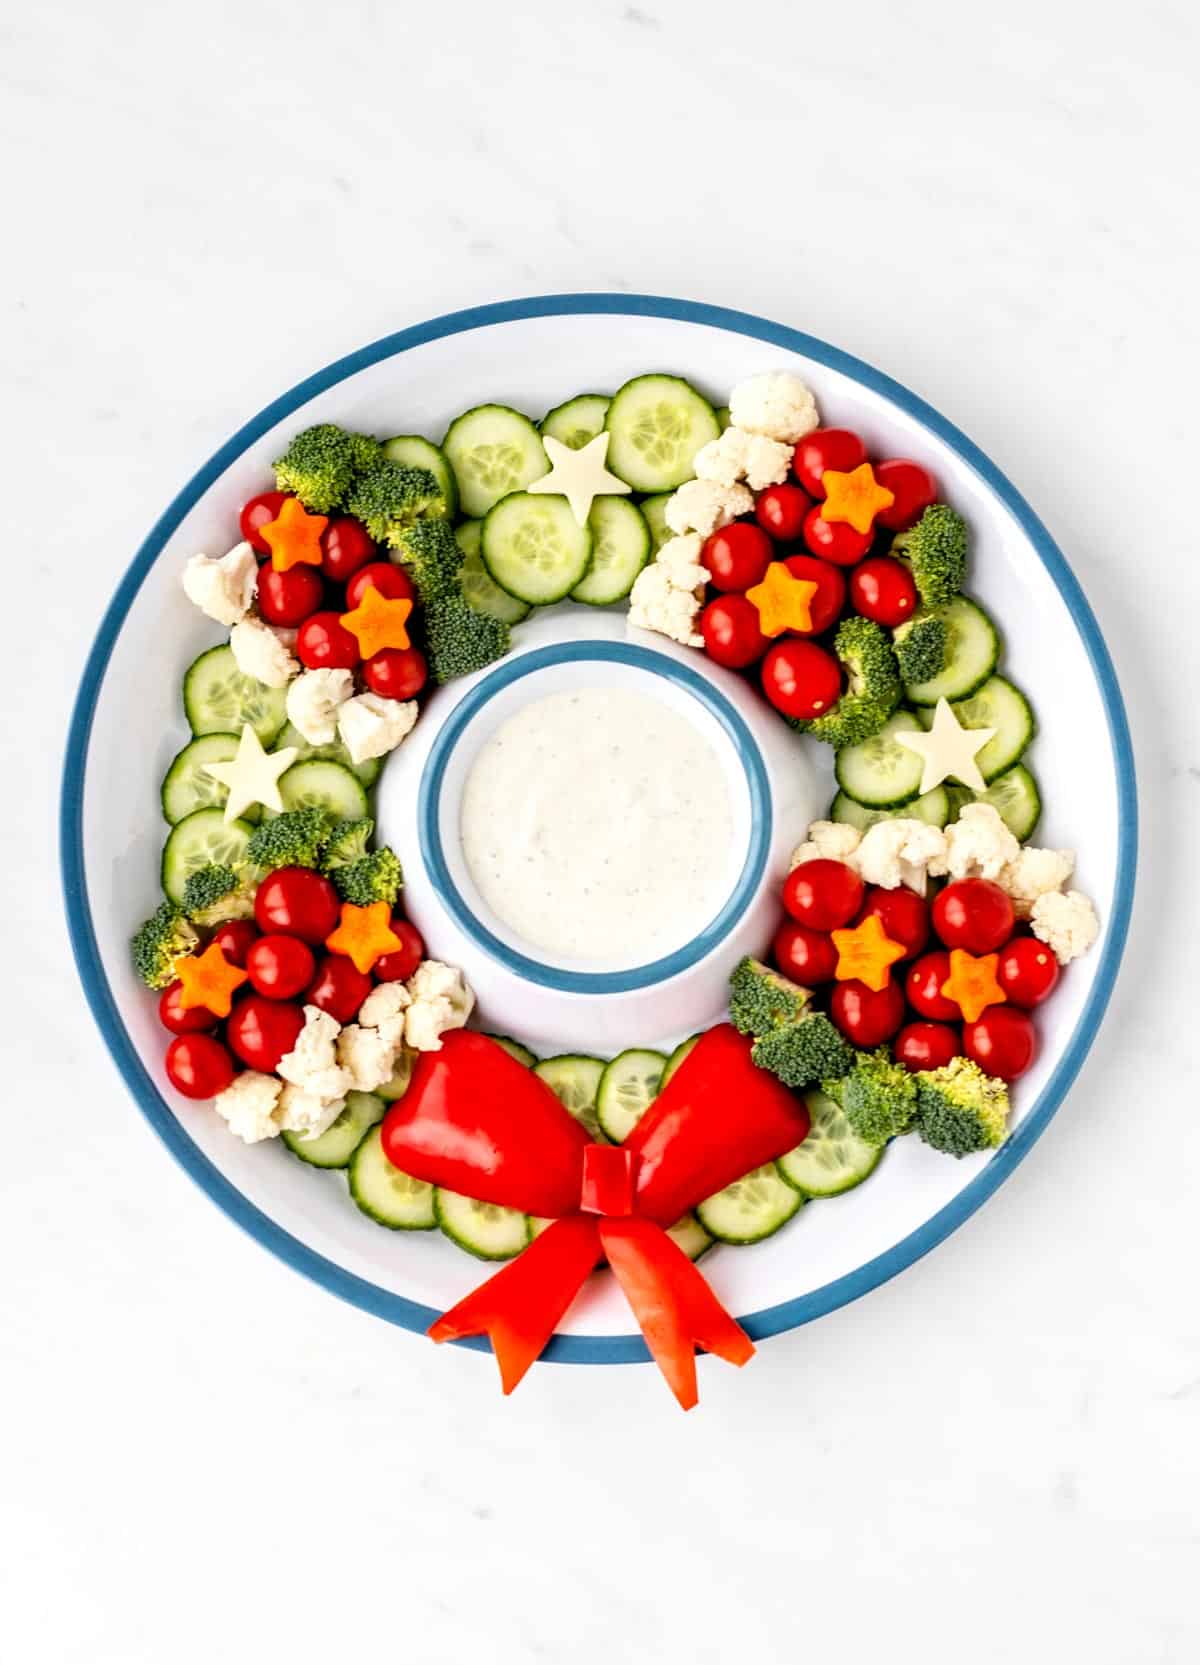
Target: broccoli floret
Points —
{"points": [[960, 1109], [432, 557], [459, 640], [878, 1097], [761, 1000], [389, 498], [164, 938], [347, 841], [936, 551], [804, 1052], [872, 690], [920, 645], [294, 839], [321, 463], [215, 893], [375, 877]]}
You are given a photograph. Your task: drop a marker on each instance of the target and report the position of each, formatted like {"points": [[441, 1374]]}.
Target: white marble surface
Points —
{"points": [[997, 1455]]}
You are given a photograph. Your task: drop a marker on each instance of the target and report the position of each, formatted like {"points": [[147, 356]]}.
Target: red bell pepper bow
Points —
{"points": [[479, 1123]]}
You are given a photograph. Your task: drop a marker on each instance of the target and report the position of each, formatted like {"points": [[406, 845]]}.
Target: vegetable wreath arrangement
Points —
{"points": [[918, 930]]}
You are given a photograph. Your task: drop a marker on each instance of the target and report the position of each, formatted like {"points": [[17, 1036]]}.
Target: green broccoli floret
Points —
{"points": [[164, 938], [761, 1000], [294, 839], [389, 498], [347, 841], [960, 1109], [879, 1097], [215, 893], [920, 644], [432, 557], [936, 551], [872, 690], [320, 465], [375, 877], [459, 640], [804, 1052]]}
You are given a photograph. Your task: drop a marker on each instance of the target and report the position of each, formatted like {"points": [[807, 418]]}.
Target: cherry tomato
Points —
{"points": [[339, 988], [731, 632], [1027, 971], [1003, 1042], [925, 1046], [864, 1017], [737, 555], [391, 581], [181, 1021], [903, 914], [923, 985], [396, 673], [198, 1066], [280, 967], [346, 545], [324, 644], [826, 448], [822, 894], [260, 511], [974, 914], [882, 589], [807, 957], [825, 607], [288, 598], [914, 489], [260, 1031], [234, 939], [801, 679], [299, 903], [399, 965], [780, 510], [834, 540]]}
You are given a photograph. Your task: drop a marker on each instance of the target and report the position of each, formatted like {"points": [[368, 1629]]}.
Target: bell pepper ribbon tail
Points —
{"points": [[519, 1308]]}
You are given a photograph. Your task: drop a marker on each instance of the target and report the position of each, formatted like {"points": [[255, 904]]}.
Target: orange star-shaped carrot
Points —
{"points": [[972, 983], [209, 980], [364, 935], [866, 952], [783, 602], [378, 622], [294, 539], [855, 498]]}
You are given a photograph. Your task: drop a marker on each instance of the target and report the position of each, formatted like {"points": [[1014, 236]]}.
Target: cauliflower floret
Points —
{"points": [[441, 1000], [777, 404], [248, 1105], [306, 1113], [312, 1063], [384, 1009], [657, 603], [978, 845], [1066, 922], [1035, 873], [902, 851], [681, 557], [739, 455], [828, 841], [313, 702], [702, 505], [261, 655], [371, 726], [367, 1055], [224, 588]]}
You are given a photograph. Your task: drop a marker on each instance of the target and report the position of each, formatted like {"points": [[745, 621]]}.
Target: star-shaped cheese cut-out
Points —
{"points": [[948, 748], [579, 475], [364, 934], [865, 953], [972, 983], [253, 775], [294, 537], [379, 622], [854, 498], [783, 602], [209, 980]]}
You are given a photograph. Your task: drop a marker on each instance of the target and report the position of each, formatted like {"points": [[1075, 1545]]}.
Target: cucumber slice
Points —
{"points": [[534, 548], [724, 418], [879, 772], [317, 784], [578, 420], [620, 549], [412, 451], [654, 512], [482, 1229], [691, 1237], [1000, 706], [750, 1209], [515, 1050], [390, 1197], [676, 1058], [932, 807], [972, 649], [575, 1079], [627, 1088], [335, 752], [218, 699], [832, 1158], [398, 1085], [201, 838], [493, 450], [657, 423], [340, 1140], [479, 589], [1015, 796], [187, 786]]}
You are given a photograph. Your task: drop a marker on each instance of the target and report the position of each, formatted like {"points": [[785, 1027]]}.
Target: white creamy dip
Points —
{"points": [[597, 824]]}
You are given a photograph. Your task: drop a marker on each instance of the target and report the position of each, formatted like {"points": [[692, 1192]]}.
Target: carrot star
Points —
{"points": [[783, 602], [364, 934], [855, 498], [294, 539], [866, 952], [378, 622], [209, 980], [972, 983]]}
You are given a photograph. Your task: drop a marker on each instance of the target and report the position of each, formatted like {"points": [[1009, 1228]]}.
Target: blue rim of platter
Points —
{"points": [[558, 977], [412, 1315]]}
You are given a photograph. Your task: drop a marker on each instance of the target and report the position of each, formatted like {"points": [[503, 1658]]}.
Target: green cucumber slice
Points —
{"points": [[340, 1140], [575, 1078], [628, 1087], [202, 838], [620, 549], [188, 787], [658, 423], [931, 807], [654, 512], [832, 1159], [515, 1050], [533, 547], [676, 1058], [972, 649], [493, 450], [880, 772], [751, 1209], [999, 705], [335, 752], [413, 451], [691, 1237], [317, 784], [389, 1197], [482, 1229], [398, 1085], [1015, 796], [578, 420], [479, 588], [218, 699]]}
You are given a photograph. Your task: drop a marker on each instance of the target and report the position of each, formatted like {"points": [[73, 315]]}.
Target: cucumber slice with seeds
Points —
{"points": [[389, 1197], [999, 705], [515, 1050], [482, 1229], [751, 1209], [335, 752], [972, 649], [657, 423], [201, 839], [578, 420], [620, 549], [1015, 796], [676, 1058], [187, 786], [832, 1158], [396, 1088], [479, 588], [575, 1079], [340, 1140], [691, 1237], [880, 772], [493, 450], [627, 1088], [654, 512], [931, 807], [218, 699], [317, 784], [412, 451], [534, 548]]}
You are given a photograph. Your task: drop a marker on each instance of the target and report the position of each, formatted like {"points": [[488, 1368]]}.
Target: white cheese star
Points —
{"points": [[579, 475], [948, 749], [253, 775]]}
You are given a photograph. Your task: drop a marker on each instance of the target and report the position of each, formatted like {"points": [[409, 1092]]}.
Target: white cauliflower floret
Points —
{"points": [[441, 1000], [681, 557], [260, 654], [902, 851], [248, 1105], [978, 845], [306, 1113], [371, 726], [223, 589], [384, 1009], [777, 404], [313, 702], [367, 1055], [702, 505], [656, 603], [312, 1063], [739, 455], [828, 841], [1066, 922], [1035, 873]]}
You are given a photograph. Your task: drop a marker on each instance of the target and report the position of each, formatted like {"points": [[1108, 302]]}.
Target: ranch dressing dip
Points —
{"points": [[597, 824]]}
